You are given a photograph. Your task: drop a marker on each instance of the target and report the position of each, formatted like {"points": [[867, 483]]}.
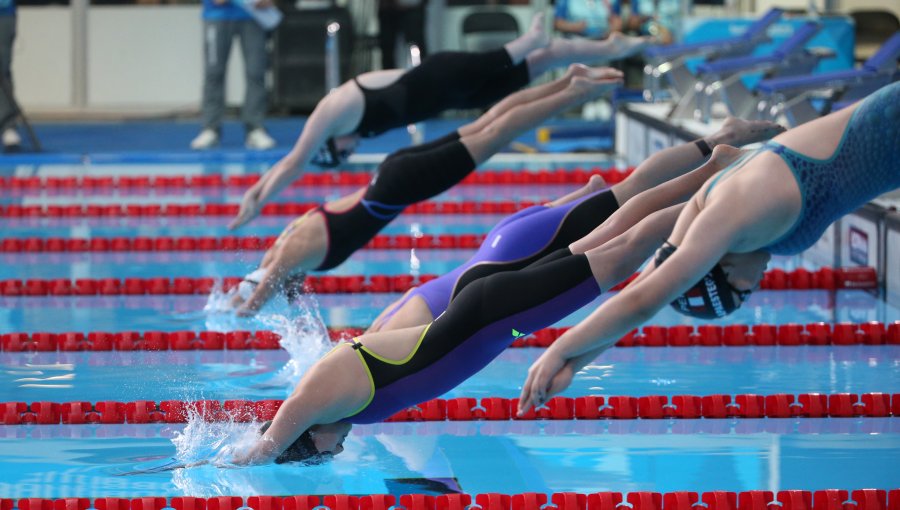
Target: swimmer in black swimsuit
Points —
{"points": [[381, 100], [323, 238]]}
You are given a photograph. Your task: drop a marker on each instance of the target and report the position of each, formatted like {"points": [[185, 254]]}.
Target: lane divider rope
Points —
{"points": [[231, 209], [489, 177], [827, 499], [226, 243], [593, 407], [704, 335], [776, 279]]}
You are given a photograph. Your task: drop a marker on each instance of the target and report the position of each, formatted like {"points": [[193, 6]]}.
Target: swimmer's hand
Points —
{"points": [[250, 206], [549, 375], [262, 452]]}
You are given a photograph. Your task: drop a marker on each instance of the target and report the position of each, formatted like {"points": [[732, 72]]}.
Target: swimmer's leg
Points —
{"points": [[595, 183], [505, 128], [489, 309], [672, 162], [525, 96], [534, 39], [562, 52]]}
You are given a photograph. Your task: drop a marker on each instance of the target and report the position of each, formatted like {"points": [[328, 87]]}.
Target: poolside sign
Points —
{"points": [[859, 246]]}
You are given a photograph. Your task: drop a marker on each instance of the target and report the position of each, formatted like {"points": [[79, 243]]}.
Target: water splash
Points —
{"points": [[206, 448], [201, 441], [304, 337], [300, 325]]}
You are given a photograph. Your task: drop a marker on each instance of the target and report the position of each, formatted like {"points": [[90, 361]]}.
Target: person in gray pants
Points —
{"points": [[8, 111], [222, 21]]}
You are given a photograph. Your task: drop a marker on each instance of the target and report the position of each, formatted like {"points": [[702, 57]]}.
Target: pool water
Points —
{"points": [[52, 461]]}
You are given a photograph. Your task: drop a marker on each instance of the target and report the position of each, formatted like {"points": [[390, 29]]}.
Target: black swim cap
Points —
{"points": [[711, 298], [294, 286], [329, 156], [302, 450]]}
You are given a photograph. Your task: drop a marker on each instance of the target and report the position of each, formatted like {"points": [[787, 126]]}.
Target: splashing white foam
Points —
{"points": [[304, 337]]}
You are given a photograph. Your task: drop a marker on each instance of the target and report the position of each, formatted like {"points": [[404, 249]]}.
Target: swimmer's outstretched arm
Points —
{"points": [[710, 232], [327, 120]]}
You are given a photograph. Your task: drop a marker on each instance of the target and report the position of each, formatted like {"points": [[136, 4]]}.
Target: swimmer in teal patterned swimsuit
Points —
{"points": [[776, 201]]}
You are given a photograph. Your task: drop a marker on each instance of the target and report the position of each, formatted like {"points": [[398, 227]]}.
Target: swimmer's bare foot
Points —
{"points": [[535, 38], [577, 70], [624, 46], [594, 73], [739, 132], [593, 87], [538, 32], [595, 183]]}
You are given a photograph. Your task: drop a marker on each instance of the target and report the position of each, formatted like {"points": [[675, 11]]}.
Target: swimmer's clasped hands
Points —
{"points": [[549, 375], [262, 452]]}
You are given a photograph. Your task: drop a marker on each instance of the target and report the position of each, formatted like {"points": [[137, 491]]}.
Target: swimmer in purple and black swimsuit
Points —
{"points": [[381, 373]]}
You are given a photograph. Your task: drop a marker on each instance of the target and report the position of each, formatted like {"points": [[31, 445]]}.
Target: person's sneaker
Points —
{"points": [[207, 138], [11, 139], [260, 140]]}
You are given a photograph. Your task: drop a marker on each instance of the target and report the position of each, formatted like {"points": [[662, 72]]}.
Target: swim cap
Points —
{"points": [[711, 297], [302, 450], [329, 156], [293, 286]]}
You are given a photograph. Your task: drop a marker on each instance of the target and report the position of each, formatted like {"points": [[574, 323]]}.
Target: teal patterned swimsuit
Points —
{"points": [[865, 164]]}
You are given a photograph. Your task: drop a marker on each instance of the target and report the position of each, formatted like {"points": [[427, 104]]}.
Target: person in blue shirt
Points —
{"points": [[222, 21], [594, 19], [11, 139]]}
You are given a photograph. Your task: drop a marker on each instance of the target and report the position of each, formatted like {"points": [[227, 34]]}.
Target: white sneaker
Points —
{"points": [[11, 138], [260, 140], [207, 139]]}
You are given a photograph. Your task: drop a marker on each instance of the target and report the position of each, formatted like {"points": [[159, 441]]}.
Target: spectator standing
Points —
{"points": [[397, 17], [223, 20]]}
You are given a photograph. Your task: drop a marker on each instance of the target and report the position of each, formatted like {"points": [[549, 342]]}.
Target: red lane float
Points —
{"points": [[227, 243], [222, 209], [353, 284], [828, 499], [818, 333], [593, 407], [343, 178]]}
